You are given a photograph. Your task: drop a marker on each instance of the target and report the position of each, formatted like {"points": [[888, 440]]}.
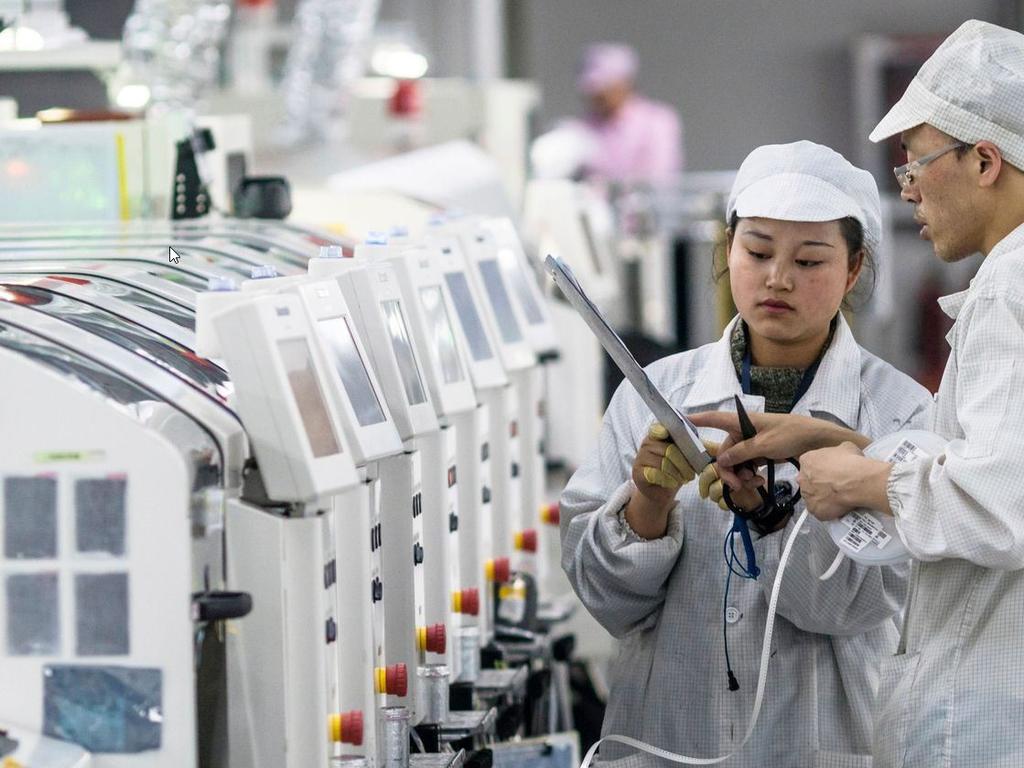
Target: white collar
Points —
{"points": [[716, 383], [954, 302]]}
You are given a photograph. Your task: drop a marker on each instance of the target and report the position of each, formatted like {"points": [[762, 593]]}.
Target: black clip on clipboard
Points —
{"points": [[682, 432]]}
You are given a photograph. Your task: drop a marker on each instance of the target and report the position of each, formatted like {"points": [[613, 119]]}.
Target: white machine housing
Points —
{"points": [[293, 423]]}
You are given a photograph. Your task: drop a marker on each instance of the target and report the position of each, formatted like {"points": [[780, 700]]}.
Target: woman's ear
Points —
{"points": [[854, 274]]}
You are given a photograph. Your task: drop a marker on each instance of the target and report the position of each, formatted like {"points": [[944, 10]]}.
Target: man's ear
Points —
{"points": [[990, 162]]}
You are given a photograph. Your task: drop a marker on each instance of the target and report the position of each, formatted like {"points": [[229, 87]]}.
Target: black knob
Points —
{"points": [[218, 606], [263, 197]]}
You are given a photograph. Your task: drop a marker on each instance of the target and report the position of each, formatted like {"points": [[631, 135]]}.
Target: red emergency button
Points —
{"points": [[526, 541], [550, 514], [432, 638], [392, 680], [347, 727], [466, 601], [499, 569]]}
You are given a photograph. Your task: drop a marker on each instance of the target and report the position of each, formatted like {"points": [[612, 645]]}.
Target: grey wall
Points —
{"points": [[742, 73]]}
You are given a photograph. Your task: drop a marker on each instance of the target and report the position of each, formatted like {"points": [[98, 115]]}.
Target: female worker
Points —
{"points": [[647, 554]]}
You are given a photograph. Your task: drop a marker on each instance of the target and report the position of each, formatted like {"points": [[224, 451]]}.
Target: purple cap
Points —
{"points": [[606, 64]]}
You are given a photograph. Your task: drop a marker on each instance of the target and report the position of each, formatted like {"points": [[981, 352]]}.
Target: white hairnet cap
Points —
{"points": [[804, 181], [972, 88]]}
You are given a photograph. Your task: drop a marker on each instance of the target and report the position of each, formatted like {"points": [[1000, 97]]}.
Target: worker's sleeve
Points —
{"points": [[968, 503], [619, 577], [853, 600]]}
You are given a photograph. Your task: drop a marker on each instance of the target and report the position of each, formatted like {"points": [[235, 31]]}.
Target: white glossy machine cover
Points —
{"points": [[282, 381], [503, 315], [382, 319], [446, 366], [522, 283], [486, 367]]}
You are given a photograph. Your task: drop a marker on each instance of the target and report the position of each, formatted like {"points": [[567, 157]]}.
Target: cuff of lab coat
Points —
{"points": [[617, 529], [897, 491]]}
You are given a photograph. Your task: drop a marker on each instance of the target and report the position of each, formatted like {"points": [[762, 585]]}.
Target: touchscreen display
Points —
{"points": [[400, 342], [441, 335], [472, 325], [341, 346], [308, 397], [503, 313], [516, 276]]}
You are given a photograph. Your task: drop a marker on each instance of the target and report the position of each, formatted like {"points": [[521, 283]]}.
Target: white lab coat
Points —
{"points": [[953, 695], [663, 599]]}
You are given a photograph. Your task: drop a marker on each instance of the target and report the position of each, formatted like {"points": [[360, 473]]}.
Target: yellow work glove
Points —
{"points": [[659, 468], [709, 485]]}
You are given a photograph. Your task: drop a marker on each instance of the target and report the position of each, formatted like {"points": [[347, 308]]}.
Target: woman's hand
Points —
{"points": [[659, 469], [709, 485]]}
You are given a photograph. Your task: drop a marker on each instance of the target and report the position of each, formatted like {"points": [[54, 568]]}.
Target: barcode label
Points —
{"points": [[905, 451], [854, 541], [864, 529]]}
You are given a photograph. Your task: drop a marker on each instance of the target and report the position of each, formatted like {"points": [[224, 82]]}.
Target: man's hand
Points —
{"points": [[779, 437], [834, 481]]}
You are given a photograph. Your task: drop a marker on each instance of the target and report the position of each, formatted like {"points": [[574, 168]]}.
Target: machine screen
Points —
{"points": [[341, 344], [472, 325], [410, 372], [516, 276], [495, 287], [442, 337], [308, 397]]}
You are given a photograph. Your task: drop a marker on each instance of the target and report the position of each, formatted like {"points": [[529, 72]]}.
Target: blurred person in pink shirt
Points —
{"points": [[635, 140]]}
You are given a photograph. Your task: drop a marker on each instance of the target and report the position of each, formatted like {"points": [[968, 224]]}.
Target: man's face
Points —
{"points": [[943, 195], [606, 102]]}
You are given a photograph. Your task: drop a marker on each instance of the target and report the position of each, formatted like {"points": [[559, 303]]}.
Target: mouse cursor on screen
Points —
{"points": [[172, 255]]}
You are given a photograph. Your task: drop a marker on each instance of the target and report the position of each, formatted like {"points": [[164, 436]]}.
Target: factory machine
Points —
{"points": [[373, 294], [372, 677], [451, 591], [499, 280], [146, 377], [569, 221], [499, 439], [324, 421], [539, 330]]}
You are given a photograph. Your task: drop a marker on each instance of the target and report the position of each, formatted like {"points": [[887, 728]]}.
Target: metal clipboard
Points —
{"points": [[682, 432]]}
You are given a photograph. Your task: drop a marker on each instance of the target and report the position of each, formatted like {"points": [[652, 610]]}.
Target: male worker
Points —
{"points": [[953, 694], [635, 140]]}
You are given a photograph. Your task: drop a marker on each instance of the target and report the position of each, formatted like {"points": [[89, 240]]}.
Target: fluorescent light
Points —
{"points": [[398, 62], [133, 96], [21, 39]]}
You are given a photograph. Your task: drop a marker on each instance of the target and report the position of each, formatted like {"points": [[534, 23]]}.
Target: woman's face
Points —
{"points": [[789, 278]]}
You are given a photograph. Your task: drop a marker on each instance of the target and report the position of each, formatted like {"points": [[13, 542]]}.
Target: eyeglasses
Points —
{"points": [[905, 173]]}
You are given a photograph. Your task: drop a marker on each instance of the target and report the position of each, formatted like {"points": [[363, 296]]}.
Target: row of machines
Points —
{"points": [[272, 498]]}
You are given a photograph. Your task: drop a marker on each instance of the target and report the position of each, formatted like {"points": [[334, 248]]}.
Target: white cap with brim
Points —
{"points": [[972, 88], [804, 181]]}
